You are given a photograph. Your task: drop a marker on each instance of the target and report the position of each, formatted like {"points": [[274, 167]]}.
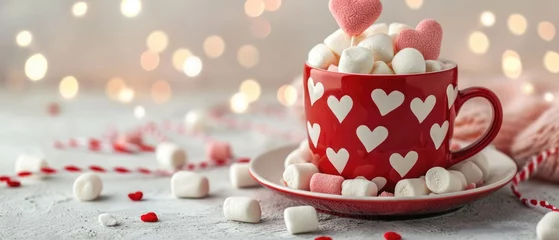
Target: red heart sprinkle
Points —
{"points": [[4, 178], [96, 168], [243, 160], [121, 170], [392, 236], [144, 170], [48, 170], [137, 196], [13, 184], [71, 168], [24, 174], [190, 166], [149, 217], [203, 165], [323, 238]]}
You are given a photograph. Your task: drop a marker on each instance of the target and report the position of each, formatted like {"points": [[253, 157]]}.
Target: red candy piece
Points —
{"points": [[323, 238], [149, 217], [392, 236], [325, 183], [13, 184], [137, 196]]}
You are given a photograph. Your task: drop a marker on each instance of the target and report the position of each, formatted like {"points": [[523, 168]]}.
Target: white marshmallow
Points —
{"points": [[298, 176], [297, 156], [333, 68], [321, 57], [87, 187], [375, 29], [185, 184], [300, 219], [242, 209], [440, 181], [305, 150], [359, 188], [356, 60], [396, 28], [411, 188], [433, 66], [548, 227], [170, 156], [196, 120], [30, 163], [408, 60], [107, 220], [339, 41], [361, 177], [381, 45], [240, 176], [471, 171], [482, 163], [380, 67], [460, 177]]}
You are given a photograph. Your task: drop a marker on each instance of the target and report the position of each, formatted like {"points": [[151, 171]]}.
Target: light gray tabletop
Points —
{"points": [[46, 209]]}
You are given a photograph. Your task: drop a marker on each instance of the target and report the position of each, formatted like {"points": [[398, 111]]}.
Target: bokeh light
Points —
{"points": [[511, 64], [24, 38], [139, 112], [68, 87], [149, 60], [487, 18], [114, 87], [546, 31], [260, 28], [254, 8], [36, 67], [251, 89], [126, 95], [551, 61], [517, 24], [157, 41], [214, 46], [478, 42], [528, 88], [161, 91], [549, 97], [272, 5], [130, 8], [192, 66], [287, 95], [238, 103], [248, 56], [79, 9], [414, 4], [179, 57]]}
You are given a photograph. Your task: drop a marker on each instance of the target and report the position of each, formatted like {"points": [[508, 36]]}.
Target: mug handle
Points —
{"points": [[474, 148]]}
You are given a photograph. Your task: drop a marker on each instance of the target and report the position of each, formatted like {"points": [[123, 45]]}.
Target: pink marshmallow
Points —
{"points": [[219, 151], [325, 183], [386, 194], [471, 186]]}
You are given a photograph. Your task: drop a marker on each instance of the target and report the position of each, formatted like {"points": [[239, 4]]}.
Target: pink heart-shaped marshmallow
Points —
{"points": [[426, 38], [355, 16]]}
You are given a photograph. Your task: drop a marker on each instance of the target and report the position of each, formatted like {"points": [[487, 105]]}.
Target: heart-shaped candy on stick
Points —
{"points": [[355, 16], [426, 38]]}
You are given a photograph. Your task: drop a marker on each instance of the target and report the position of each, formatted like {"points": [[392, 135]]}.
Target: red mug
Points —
{"points": [[388, 127]]}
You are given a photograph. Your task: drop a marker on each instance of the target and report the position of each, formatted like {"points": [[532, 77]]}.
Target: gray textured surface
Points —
{"points": [[47, 210]]}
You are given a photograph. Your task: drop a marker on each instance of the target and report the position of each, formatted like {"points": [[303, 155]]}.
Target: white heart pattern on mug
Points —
{"points": [[314, 132], [387, 103], [371, 139], [422, 109], [438, 133], [403, 165], [340, 108], [380, 182], [338, 159], [451, 94], [315, 90]]}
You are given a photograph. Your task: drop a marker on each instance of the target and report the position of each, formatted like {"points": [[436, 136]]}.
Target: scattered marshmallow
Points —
{"points": [[548, 227], [298, 176], [242, 209], [433, 66], [170, 156], [196, 120], [300, 219], [333, 68], [440, 181], [408, 60], [321, 57], [87, 187], [471, 171], [396, 28], [240, 176], [219, 150], [30, 163], [107, 220], [460, 177], [356, 60], [380, 67], [326, 183], [482, 163], [376, 29], [359, 188], [339, 41], [297, 156], [186, 184], [411, 188], [381, 45]]}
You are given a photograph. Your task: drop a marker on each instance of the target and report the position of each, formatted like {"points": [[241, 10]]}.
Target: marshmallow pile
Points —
{"points": [[301, 174], [376, 51]]}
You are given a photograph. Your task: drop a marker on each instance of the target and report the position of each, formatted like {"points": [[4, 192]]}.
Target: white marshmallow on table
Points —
{"points": [[471, 171], [30, 163], [196, 120], [356, 60], [381, 45], [240, 177], [411, 188], [440, 181], [482, 163], [359, 188], [407, 61], [242, 209], [186, 184], [170, 156], [321, 57], [339, 41], [298, 176], [297, 156], [461, 177], [107, 220], [548, 227], [300, 219], [396, 28], [380, 67], [375, 29], [433, 66], [87, 187]]}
